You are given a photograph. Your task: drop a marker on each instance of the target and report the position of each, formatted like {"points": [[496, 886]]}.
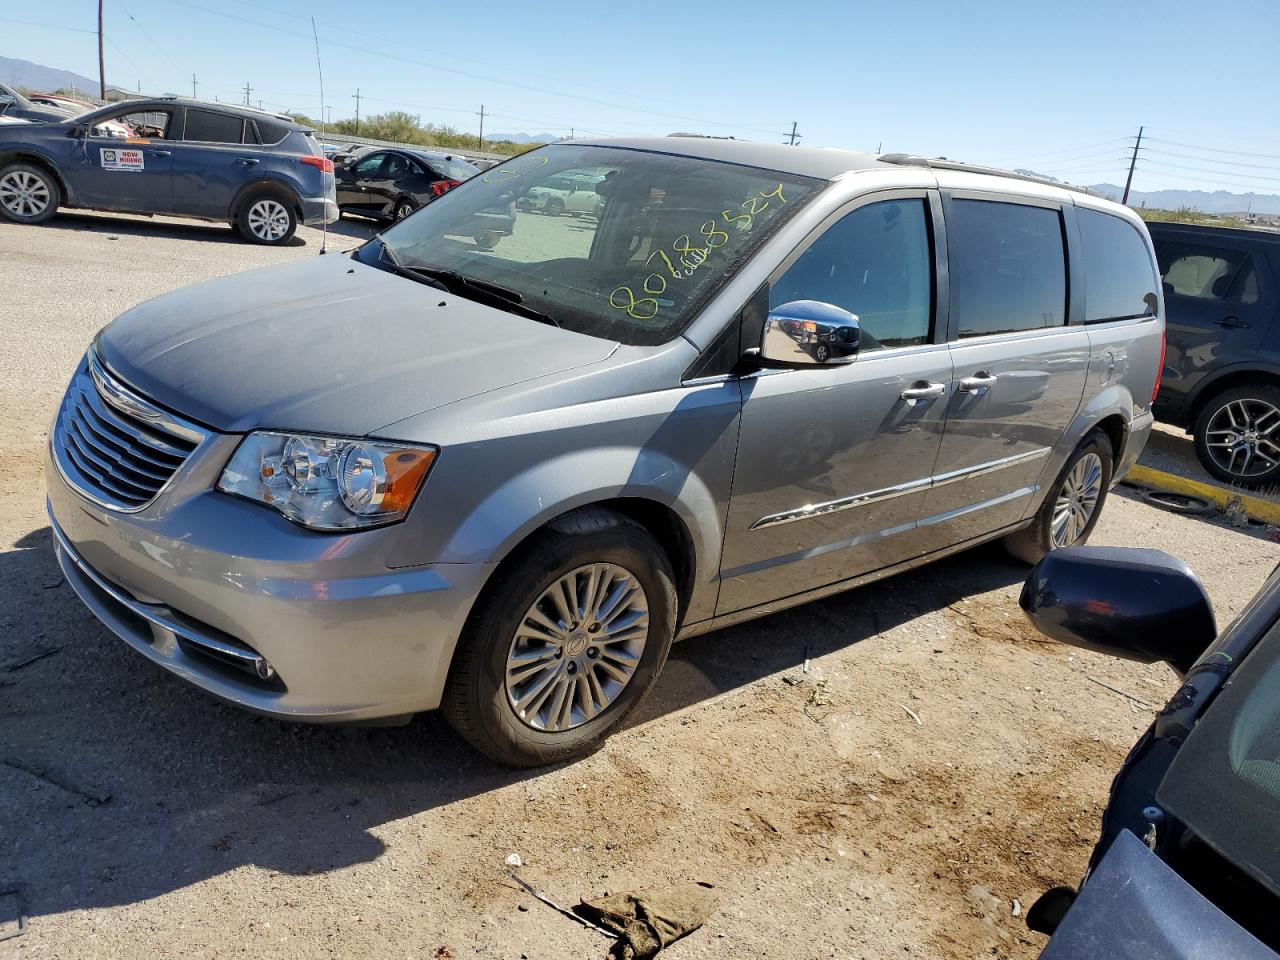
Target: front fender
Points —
{"points": [[32, 153], [531, 499]]}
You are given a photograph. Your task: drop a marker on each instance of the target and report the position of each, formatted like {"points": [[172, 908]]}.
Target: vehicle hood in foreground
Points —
{"points": [[1135, 907], [327, 345]]}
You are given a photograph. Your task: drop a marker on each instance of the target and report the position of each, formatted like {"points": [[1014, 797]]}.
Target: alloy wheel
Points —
{"points": [[404, 210], [24, 194], [1077, 500], [577, 647], [268, 220], [1241, 437]]}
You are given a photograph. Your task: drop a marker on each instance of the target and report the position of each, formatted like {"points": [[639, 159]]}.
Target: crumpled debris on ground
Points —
{"points": [[648, 920]]}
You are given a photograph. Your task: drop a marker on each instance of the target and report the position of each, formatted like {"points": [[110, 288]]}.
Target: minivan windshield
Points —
{"points": [[636, 243], [1225, 781]]}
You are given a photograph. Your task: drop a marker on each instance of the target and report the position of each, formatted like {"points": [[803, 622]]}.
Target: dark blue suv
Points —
{"points": [[260, 172]]}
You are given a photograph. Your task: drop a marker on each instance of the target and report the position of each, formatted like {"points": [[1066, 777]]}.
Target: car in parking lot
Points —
{"points": [[1188, 863], [390, 184], [502, 481], [18, 106], [262, 173], [560, 195], [1222, 370]]}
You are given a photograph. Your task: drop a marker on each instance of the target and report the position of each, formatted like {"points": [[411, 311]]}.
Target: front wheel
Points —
{"points": [[1237, 435], [28, 194], [267, 218], [564, 643], [1074, 502]]}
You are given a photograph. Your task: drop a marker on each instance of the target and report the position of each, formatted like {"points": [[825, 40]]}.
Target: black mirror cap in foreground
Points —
{"points": [[1134, 603]]}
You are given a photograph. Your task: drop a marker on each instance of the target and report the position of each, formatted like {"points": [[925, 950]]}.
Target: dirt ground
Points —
{"points": [[936, 768]]}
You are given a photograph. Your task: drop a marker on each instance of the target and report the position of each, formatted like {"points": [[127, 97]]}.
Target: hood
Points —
{"points": [[327, 345]]}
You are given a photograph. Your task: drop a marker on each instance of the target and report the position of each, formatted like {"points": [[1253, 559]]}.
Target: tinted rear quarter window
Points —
{"points": [[1007, 267], [271, 132], [206, 126], [1204, 271], [1119, 276]]}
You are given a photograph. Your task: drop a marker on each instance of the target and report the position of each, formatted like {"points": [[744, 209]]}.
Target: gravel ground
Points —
{"points": [[832, 821]]}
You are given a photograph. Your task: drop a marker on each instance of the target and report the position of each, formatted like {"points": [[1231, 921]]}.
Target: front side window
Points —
{"points": [[1007, 267], [875, 262], [1208, 272], [206, 126], [368, 167], [670, 230], [397, 166], [1120, 281], [148, 124]]}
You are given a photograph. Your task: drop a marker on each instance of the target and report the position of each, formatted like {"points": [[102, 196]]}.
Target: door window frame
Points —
{"points": [[1258, 257], [1073, 262]]}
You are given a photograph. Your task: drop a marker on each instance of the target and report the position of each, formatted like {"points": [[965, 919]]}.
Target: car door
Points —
{"points": [[211, 162], [834, 460], [397, 177], [1220, 301], [1019, 369], [353, 183], [133, 173]]}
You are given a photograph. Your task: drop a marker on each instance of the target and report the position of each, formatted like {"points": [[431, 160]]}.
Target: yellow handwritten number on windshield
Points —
{"points": [[634, 307]]}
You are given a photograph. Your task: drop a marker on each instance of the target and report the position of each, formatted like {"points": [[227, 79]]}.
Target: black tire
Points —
{"points": [[476, 701], [403, 208], [28, 193], [554, 207], [1249, 399], [267, 217], [1032, 543], [487, 240]]}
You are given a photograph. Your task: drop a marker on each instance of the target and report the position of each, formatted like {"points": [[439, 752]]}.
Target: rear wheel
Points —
{"points": [[1074, 502], [404, 208], [268, 218], [554, 207], [28, 194], [566, 641], [1237, 435], [487, 240]]}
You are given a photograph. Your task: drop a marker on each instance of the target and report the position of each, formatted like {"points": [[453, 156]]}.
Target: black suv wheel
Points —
{"points": [[1237, 435]]}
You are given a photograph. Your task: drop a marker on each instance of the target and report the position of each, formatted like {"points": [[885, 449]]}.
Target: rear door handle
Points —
{"points": [[247, 161], [1233, 323], [978, 383], [924, 390], [161, 153]]}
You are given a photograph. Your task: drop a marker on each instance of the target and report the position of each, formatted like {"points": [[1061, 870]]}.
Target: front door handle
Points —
{"points": [[247, 161], [1233, 323], [923, 390], [978, 383], [161, 153]]}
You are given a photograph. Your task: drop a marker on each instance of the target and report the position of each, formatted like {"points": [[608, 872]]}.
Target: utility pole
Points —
{"points": [[1132, 162], [356, 97], [328, 115], [247, 90], [482, 126], [193, 86], [793, 136], [102, 63]]}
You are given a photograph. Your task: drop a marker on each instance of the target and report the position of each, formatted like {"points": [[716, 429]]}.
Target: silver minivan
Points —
{"points": [[501, 482]]}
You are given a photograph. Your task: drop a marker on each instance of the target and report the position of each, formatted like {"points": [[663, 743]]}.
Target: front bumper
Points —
{"points": [[317, 210], [207, 585]]}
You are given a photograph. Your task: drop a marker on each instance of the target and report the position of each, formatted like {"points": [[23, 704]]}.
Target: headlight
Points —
{"points": [[328, 483]]}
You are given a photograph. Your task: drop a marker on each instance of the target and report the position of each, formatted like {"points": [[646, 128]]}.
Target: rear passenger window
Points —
{"points": [[1007, 267], [1120, 281], [1205, 272], [877, 263], [205, 126]]}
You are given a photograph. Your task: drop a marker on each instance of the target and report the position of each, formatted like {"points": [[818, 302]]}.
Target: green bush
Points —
{"points": [[400, 127]]}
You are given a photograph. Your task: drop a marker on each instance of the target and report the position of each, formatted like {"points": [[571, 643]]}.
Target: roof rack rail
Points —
{"points": [[911, 160]]}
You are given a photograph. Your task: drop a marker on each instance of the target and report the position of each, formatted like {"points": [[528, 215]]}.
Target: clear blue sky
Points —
{"points": [[1052, 87]]}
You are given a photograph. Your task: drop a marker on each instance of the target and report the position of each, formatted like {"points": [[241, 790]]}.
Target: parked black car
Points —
{"points": [[1188, 863], [1222, 365], [261, 172], [14, 104], [390, 184]]}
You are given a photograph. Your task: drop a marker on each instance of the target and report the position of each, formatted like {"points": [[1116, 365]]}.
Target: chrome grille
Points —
{"points": [[115, 447]]}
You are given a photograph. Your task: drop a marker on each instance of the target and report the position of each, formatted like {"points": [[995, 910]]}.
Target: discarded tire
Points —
{"points": [[1179, 502]]}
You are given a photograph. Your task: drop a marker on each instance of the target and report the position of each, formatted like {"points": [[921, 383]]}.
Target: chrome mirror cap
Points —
{"points": [[809, 333]]}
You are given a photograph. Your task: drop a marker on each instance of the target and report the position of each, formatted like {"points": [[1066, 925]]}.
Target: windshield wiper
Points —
{"points": [[388, 256], [493, 293]]}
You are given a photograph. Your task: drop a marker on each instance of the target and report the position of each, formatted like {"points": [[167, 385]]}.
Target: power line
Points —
{"points": [[1091, 146], [1230, 163], [1191, 146], [47, 26], [1225, 173]]}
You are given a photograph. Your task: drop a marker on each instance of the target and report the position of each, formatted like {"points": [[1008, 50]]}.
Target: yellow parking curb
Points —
{"points": [[1255, 507]]}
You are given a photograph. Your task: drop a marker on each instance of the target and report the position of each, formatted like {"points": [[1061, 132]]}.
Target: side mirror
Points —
{"points": [[1125, 601], [807, 333]]}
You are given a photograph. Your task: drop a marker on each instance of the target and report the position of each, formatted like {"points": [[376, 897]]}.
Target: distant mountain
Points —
{"points": [[525, 137], [24, 73], [1217, 201]]}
